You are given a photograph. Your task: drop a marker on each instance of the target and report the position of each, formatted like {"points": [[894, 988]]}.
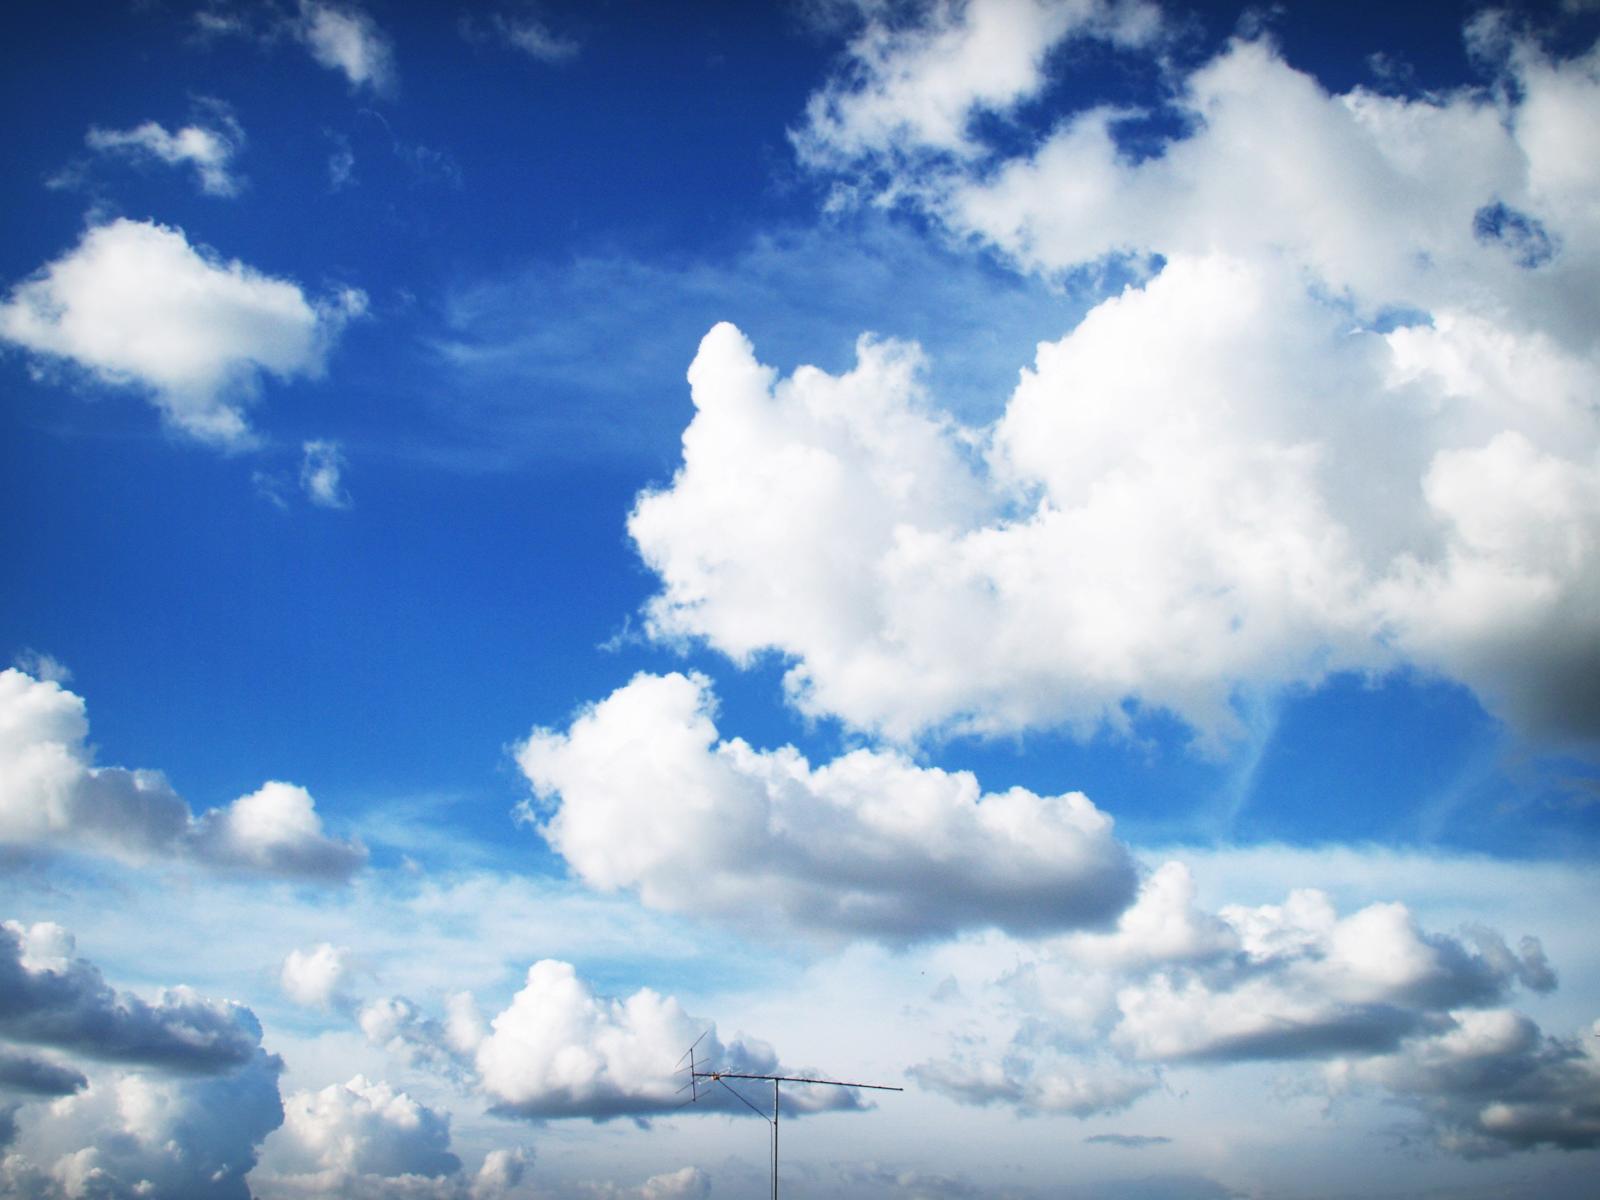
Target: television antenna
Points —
{"points": [[694, 1087]]}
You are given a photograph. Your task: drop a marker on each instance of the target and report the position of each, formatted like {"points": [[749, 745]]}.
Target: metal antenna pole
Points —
{"points": [[695, 1075]]}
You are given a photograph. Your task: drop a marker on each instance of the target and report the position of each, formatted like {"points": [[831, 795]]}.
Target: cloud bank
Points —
{"points": [[1379, 1002]]}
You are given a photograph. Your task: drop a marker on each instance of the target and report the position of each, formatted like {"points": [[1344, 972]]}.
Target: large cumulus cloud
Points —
{"points": [[52, 795], [640, 793], [165, 1097], [1342, 419]]}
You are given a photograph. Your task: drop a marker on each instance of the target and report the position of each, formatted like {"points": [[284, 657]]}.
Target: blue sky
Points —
{"points": [[1042, 552]]}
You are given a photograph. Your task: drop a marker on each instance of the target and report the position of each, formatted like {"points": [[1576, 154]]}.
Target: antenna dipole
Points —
{"points": [[694, 1085]]}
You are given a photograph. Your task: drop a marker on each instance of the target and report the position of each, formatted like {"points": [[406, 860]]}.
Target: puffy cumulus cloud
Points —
{"points": [[360, 1138], [1290, 980], [274, 830], [345, 39], [316, 977], [134, 304], [1100, 1017], [559, 1050], [321, 469], [51, 795], [1183, 498], [181, 1115], [209, 151], [49, 997], [1342, 420], [131, 1135], [910, 86], [639, 793], [1492, 1083]]}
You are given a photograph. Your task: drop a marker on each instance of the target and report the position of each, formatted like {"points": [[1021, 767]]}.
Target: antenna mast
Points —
{"points": [[719, 1077]]}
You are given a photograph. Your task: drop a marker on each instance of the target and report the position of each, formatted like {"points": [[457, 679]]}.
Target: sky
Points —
{"points": [[1044, 553]]}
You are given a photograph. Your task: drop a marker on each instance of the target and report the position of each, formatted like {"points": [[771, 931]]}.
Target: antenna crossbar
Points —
{"points": [[877, 1087], [721, 1077]]}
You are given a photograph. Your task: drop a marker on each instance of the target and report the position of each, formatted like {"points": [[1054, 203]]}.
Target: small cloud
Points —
{"points": [[315, 978], [341, 163], [524, 32], [347, 40], [41, 666], [136, 305], [1130, 1141], [320, 474], [271, 487], [209, 151]]}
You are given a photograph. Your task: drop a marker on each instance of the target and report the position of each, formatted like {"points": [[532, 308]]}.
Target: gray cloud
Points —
{"points": [[1492, 1082], [64, 1002], [1130, 1141], [36, 1076]]}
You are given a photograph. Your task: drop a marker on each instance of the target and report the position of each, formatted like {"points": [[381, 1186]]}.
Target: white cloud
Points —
{"points": [[915, 85], [639, 793], [559, 1050], [321, 470], [1184, 500], [360, 1128], [316, 977], [135, 305], [209, 151], [51, 795], [347, 40]]}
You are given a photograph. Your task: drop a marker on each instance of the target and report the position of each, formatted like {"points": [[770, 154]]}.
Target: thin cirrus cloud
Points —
{"points": [[134, 304], [54, 797], [640, 793], [1183, 499]]}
